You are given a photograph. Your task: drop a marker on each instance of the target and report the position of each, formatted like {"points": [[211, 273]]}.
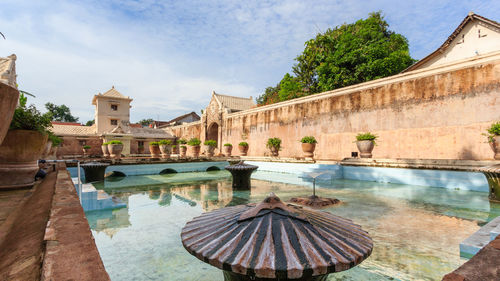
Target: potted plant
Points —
{"points": [[194, 143], [23, 145], [182, 147], [140, 149], [174, 148], [227, 149], [365, 143], [86, 149], [274, 145], [210, 146], [243, 147], [8, 101], [165, 148], [308, 146], [115, 148], [494, 139], [104, 148], [154, 149]]}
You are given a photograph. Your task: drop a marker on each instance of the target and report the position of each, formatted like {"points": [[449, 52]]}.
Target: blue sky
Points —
{"points": [[169, 55]]}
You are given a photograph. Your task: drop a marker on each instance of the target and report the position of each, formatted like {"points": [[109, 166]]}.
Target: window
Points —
{"points": [[114, 122], [140, 143], [114, 107], [82, 142]]}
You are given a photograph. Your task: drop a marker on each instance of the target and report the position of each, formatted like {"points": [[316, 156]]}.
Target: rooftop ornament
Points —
{"points": [[276, 241], [314, 201], [94, 171], [241, 174]]}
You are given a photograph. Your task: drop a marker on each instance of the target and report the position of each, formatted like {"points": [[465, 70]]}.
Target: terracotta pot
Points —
{"points": [[308, 149], [19, 153], [165, 150], [227, 150], [195, 150], [115, 150], [274, 151], [495, 146], [105, 151], [155, 151], [243, 150], [182, 151], [8, 102], [365, 148], [210, 150]]}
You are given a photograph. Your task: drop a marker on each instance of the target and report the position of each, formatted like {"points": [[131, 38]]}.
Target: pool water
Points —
{"points": [[416, 230]]}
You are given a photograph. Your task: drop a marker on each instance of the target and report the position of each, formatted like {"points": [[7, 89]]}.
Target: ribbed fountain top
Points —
{"points": [[273, 239], [94, 164], [490, 169], [241, 166]]}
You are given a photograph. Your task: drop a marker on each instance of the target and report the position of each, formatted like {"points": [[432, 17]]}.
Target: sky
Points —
{"points": [[170, 55]]}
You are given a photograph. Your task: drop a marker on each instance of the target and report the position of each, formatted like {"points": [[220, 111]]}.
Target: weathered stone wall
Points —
{"points": [[436, 113], [186, 131], [71, 145]]}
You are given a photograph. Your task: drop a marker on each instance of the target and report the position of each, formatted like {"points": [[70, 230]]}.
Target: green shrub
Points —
{"points": [[494, 129], [86, 147], [182, 141], [105, 143], [308, 139], [174, 146], [29, 118], [154, 143], [183, 146], [56, 141], [165, 142], [115, 142], [243, 143], [366, 136], [194, 142], [274, 142], [228, 144], [210, 143]]}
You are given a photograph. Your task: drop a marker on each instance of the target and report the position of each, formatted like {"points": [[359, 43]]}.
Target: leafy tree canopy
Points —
{"points": [[346, 55], [90, 122], [146, 122], [60, 113]]}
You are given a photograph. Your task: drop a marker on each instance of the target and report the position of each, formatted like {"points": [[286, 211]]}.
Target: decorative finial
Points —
{"points": [[471, 13]]}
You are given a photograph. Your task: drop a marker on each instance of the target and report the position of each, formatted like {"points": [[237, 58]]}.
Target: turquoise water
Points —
{"points": [[416, 230]]}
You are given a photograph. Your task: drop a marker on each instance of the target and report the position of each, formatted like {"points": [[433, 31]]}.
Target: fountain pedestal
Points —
{"points": [[94, 171], [241, 174], [492, 174]]}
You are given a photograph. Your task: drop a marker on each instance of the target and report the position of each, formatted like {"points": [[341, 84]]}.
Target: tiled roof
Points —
{"points": [[73, 130], [150, 133], [65, 123], [469, 18], [8, 70], [235, 103], [196, 116], [111, 93]]}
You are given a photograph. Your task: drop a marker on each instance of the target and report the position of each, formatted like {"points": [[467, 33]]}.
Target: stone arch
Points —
{"points": [[213, 168], [168, 171], [213, 132], [115, 174]]}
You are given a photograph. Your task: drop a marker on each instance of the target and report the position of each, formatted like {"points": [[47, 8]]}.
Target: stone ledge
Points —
{"points": [[433, 164]]}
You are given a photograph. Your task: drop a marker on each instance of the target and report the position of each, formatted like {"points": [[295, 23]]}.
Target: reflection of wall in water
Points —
{"points": [[210, 196], [109, 221]]}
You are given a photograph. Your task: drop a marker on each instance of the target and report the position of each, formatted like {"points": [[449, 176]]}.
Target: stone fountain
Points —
{"points": [[94, 171], [241, 174], [492, 174], [314, 201]]}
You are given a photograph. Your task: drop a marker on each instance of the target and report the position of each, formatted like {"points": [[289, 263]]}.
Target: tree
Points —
{"points": [[60, 113], [346, 55], [146, 122], [90, 122]]}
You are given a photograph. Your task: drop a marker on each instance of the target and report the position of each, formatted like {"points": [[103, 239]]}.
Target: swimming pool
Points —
{"points": [[416, 230]]}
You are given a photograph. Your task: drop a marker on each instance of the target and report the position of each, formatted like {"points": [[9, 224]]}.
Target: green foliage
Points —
{"points": [[146, 122], [366, 136], [182, 141], [345, 55], [86, 147], [228, 144], [105, 143], [165, 142], [274, 142], [243, 143], [493, 131], [194, 142], [174, 146], [60, 113], [90, 122], [210, 143], [182, 146], [115, 142], [56, 141], [308, 139], [154, 143], [29, 118]]}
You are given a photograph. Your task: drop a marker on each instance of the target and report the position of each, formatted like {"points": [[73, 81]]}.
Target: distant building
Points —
{"points": [[112, 122], [474, 36], [8, 70], [183, 119]]}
